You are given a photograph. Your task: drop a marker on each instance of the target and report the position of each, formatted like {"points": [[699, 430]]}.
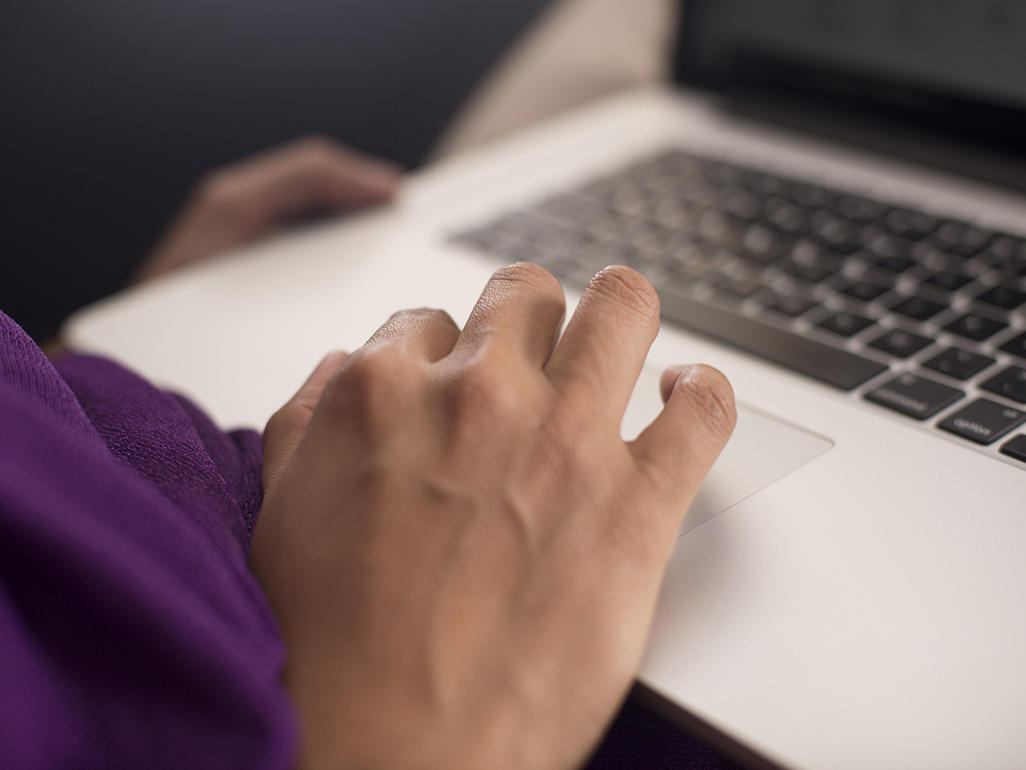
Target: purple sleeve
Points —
{"points": [[131, 632]]}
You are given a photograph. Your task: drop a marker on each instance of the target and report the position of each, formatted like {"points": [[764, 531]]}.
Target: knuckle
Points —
{"points": [[629, 288], [279, 421], [712, 396], [375, 368], [482, 383], [486, 389], [372, 387]]}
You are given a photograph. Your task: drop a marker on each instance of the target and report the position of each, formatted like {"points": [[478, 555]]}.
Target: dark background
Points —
{"points": [[113, 110]]}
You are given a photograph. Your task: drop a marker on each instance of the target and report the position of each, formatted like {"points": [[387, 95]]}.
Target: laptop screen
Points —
{"points": [[955, 65]]}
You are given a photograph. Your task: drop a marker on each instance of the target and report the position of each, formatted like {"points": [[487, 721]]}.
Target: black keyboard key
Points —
{"points": [[860, 210], [959, 364], [1016, 346], [763, 246], [845, 324], [1016, 447], [983, 421], [810, 252], [571, 210], [914, 396], [918, 308], [789, 304], [809, 195], [1010, 383], [1008, 254], [866, 291], [675, 215], [962, 238], [975, 327], [891, 253], [610, 229], [599, 188], [737, 286], [717, 229], [1006, 246], [722, 172], [788, 218], [482, 238], [696, 192], [838, 368], [948, 280], [652, 244], [810, 272], [762, 183], [1003, 297], [900, 343], [894, 264], [692, 262], [686, 252], [524, 226], [1016, 267], [630, 201], [744, 205], [839, 236], [911, 224]]}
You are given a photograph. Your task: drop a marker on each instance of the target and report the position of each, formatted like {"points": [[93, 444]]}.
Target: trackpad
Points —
{"points": [[762, 450]]}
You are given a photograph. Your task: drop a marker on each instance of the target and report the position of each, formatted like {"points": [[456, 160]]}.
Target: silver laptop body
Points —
{"points": [[850, 585]]}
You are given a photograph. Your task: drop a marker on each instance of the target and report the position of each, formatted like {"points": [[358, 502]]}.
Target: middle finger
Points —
{"points": [[522, 307], [606, 342]]}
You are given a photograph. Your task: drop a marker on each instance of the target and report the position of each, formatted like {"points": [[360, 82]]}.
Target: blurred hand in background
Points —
{"points": [[238, 204]]}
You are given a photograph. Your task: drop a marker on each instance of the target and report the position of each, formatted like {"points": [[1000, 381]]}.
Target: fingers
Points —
{"points": [[287, 426], [308, 175], [521, 307], [604, 346], [425, 333], [681, 444]]}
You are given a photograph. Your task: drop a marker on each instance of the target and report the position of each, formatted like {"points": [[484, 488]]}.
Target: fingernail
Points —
{"points": [[673, 371], [686, 372]]}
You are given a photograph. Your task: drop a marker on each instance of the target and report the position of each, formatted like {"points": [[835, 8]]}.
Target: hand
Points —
{"points": [[462, 553], [236, 205]]}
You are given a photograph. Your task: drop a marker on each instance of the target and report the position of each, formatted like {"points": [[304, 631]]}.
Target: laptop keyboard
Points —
{"points": [[923, 313]]}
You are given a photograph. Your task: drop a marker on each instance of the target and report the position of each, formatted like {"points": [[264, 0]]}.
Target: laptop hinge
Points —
{"points": [[889, 138]]}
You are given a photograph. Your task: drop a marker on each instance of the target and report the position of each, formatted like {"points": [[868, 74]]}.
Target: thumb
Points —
{"points": [[681, 444], [287, 426]]}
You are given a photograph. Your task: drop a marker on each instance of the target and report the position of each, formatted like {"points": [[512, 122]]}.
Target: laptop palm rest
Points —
{"points": [[762, 450]]}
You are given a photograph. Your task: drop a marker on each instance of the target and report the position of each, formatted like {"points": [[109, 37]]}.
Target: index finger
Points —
{"points": [[605, 344]]}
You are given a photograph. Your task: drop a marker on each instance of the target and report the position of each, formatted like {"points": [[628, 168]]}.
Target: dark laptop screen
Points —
{"points": [[957, 65]]}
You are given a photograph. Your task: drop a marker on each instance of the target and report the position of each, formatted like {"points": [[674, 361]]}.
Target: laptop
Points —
{"points": [[827, 203]]}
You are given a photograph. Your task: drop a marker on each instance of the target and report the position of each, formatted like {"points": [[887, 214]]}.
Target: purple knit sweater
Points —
{"points": [[131, 632]]}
